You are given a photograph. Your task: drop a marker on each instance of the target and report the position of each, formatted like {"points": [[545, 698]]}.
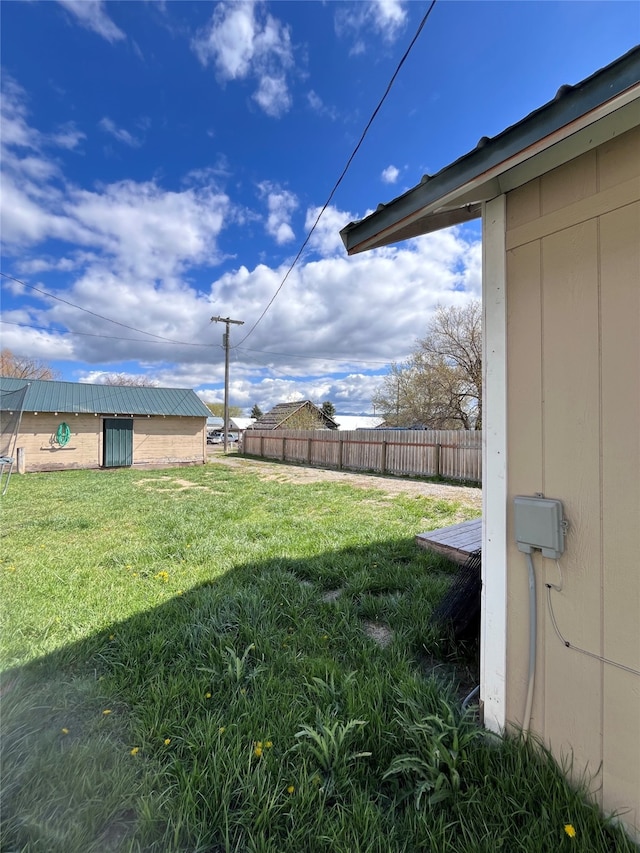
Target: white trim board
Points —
{"points": [[493, 630]]}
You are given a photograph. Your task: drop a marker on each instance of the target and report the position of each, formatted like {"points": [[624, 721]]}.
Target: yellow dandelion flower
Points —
{"points": [[179, 592], [268, 744], [221, 730], [325, 636], [570, 829], [167, 741], [257, 751], [112, 636], [135, 574], [106, 711], [243, 691], [207, 695], [259, 744], [291, 789], [135, 750], [65, 731]]}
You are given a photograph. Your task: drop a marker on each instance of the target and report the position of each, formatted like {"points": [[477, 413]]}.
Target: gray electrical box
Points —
{"points": [[539, 524]]}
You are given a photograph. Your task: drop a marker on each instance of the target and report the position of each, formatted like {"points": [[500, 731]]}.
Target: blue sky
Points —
{"points": [[163, 163]]}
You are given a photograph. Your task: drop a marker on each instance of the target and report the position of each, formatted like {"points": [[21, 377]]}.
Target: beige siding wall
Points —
{"points": [[156, 441], [573, 377], [170, 439], [37, 437]]}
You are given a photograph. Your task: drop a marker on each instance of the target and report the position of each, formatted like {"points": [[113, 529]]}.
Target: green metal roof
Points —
{"points": [[578, 118], [79, 398]]}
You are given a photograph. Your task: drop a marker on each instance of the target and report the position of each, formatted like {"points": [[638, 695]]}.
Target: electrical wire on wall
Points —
{"points": [[567, 643]]}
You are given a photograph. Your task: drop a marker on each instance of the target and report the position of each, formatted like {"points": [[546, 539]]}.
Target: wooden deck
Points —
{"points": [[455, 542]]}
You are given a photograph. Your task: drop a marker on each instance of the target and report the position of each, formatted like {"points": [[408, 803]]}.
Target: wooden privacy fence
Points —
{"points": [[453, 454]]}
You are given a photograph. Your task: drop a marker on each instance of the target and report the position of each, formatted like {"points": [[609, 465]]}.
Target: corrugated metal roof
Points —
{"points": [[80, 398], [496, 165]]}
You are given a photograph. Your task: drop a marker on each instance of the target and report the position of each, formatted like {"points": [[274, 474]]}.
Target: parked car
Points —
{"points": [[218, 437]]}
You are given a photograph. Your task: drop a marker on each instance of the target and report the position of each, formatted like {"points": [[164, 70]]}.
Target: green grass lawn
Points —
{"points": [[188, 666]]}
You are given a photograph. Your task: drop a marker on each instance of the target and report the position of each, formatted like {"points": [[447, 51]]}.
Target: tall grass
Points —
{"points": [[186, 668]]}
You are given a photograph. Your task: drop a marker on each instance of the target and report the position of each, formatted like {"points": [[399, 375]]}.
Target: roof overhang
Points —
{"points": [[577, 120]]}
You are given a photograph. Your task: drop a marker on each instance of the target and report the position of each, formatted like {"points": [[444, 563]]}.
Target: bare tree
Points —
{"points": [[21, 367], [129, 381], [440, 386], [217, 409]]}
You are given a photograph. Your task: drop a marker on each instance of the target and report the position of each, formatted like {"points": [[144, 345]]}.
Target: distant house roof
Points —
{"points": [[346, 422], [579, 118], [80, 398], [241, 424], [283, 412]]}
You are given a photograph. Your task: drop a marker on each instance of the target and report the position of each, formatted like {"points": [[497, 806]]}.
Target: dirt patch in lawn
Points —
{"points": [[391, 486], [378, 632], [173, 484]]}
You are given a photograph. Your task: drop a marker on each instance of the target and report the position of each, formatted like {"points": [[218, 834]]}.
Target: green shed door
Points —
{"points": [[118, 442]]}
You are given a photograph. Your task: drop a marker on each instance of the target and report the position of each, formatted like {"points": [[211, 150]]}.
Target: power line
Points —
{"points": [[108, 337], [87, 311], [314, 357], [344, 171]]}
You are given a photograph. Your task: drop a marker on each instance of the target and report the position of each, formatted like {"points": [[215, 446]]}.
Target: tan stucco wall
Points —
{"points": [[156, 441], [573, 433]]}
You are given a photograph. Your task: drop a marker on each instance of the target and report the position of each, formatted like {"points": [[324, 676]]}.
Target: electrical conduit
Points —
{"points": [[526, 722]]}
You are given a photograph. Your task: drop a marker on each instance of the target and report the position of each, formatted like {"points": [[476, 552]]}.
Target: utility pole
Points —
{"points": [[225, 343]]}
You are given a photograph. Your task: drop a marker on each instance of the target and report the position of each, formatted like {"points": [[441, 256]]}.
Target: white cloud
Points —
{"points": [[318, 106], [390, 174], [135, 227], [244, 42], [148, 229], [119, 133], [67, 136], [280, 205], [272, 95], [15, 130], [389, 16], [91, 15], [132, 251], [326, 240], [385, 18]]}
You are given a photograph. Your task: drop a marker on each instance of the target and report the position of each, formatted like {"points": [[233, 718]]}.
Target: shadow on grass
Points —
{"points": [[71, 719], [191, 726]]}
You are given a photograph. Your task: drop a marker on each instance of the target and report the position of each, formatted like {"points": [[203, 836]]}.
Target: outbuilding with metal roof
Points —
{"points": [[61, 425]]}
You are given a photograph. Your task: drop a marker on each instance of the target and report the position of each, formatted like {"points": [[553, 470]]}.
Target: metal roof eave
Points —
{"points": [[577, 117]]}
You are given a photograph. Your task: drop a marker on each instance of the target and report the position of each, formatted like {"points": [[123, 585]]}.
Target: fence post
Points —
{"points": [[20, 461], [383, 457], [308, 451], [340, 453], [262, 446], [438, 448], [284, 457]]}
